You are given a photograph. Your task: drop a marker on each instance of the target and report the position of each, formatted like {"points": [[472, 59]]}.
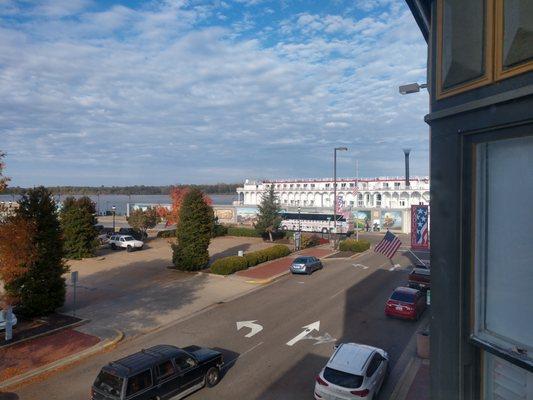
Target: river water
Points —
{"points": [[105, 202]]}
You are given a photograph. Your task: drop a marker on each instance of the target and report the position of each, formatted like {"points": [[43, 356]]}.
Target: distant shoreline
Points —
{"points": [[137, 190]]}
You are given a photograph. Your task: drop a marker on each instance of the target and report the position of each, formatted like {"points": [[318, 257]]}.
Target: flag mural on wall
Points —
{"points": [[419, 227]]}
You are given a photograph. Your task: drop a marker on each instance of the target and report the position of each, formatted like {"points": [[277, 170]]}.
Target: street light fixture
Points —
{"points": [[335, 187], [412, 88], [114, 211]]}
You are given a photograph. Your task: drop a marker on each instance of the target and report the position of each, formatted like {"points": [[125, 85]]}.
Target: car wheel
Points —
{"points": [[113, 246], [212, 377], [129, 249]]}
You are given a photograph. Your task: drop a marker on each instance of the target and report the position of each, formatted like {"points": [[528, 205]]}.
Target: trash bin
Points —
{"points": [[422, 343]]}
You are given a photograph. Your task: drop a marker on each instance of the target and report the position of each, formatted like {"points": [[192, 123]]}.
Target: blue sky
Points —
{"points": [[162, 92]]}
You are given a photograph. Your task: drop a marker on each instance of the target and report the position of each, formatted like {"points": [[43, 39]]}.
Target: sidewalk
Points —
{"points": [[267, 272]]}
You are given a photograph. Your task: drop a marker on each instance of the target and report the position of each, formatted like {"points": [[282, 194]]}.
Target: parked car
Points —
{"points": [[353, 371], [126, 242], [132, 232], [305, 265], [3, 320], [420, 277], [406, 303], [160, 372]]}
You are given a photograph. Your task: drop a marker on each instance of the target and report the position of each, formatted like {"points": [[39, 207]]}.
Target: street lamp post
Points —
{"points": [[335, 188], [114, 209], [299, 226]]}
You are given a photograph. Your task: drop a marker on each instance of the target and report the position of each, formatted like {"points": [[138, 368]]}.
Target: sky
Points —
{"points": [[164, 92]]}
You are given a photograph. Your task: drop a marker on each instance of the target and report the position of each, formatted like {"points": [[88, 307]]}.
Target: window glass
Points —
{"points": [[374, 364], [185, 362], [343, 379], [463, 26], [139, 382], [165, 369], [503, 380], [504, 253], [517, 32], [109, 384], [402, 296]]}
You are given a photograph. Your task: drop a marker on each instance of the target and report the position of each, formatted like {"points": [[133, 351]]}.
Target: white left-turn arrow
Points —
{"points": [[254, 328], [315, 326]]}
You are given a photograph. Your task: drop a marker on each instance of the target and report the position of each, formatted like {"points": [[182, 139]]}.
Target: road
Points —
{"points": [[346, 297]]}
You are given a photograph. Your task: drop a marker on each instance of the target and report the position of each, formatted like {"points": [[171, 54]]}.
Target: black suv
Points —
{"points": [[160, 372]]}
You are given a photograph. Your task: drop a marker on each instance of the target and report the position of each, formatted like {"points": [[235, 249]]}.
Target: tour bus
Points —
{"points": [[321, 223]]}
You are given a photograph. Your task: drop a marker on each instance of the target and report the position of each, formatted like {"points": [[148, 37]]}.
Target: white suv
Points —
{"points": [[126, 242], [354, 371]]}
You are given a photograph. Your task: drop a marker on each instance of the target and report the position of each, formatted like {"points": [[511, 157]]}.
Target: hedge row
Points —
{"points": [[220, 230], [238, 231], [229, 265], [167, 233], [354, 245]]}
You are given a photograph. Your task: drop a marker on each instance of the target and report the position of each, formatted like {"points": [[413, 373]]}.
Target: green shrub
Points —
{"points": [[220, 230], [271, 253], [309, 241], [228, 265], [240, 231], [354, 245], [167, 233]]}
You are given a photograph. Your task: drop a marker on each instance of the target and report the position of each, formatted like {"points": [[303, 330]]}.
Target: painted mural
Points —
{"points": [[391, 220], [224, 214], [361, 217], [246, 215]]}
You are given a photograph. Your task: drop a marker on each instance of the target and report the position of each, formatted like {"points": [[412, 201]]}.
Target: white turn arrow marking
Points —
{"points": [[254, 328], [360, 265], [315, 326]]}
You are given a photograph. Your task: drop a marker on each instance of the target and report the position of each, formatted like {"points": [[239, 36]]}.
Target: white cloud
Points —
{"points": [[164, 92]]}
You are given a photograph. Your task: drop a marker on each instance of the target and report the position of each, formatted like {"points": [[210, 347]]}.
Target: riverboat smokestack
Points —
{"points": [[407, 152]]}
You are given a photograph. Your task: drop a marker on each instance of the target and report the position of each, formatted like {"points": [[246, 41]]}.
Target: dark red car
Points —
{"points": [[406, 303]]}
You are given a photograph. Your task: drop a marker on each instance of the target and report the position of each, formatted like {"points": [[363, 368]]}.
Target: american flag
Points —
{"points": [[419, 226], [389, 245]]}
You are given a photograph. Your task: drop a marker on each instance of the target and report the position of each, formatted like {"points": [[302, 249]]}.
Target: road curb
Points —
{"points": [[406, 380], [104, 345]]}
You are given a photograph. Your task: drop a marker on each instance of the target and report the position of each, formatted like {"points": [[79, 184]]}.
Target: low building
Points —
{"points": [[351, 193]]}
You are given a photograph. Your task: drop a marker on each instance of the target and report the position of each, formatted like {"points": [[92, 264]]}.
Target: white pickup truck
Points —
{"points": [[126, 242]]}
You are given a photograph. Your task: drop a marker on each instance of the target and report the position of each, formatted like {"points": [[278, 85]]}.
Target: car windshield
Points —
{"points": [[343, 379], [128, 238], [301, 260], [108, 383], [403, 297]]}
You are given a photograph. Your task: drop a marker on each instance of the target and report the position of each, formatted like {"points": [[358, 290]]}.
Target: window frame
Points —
{"points": [[499, 72], [158, 370], [131, 395], [471, 141], [487, 77]]}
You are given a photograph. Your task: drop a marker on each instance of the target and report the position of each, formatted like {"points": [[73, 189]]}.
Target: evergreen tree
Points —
{"points": [[142, 220], [193, 232], [41, 290], [268, 218], [78, 224]]}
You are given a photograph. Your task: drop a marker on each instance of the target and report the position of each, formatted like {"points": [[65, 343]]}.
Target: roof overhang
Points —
{"points": [[421, 10]]}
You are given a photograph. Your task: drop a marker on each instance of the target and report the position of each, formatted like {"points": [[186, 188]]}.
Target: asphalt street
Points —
{"points": [[344, 301]]}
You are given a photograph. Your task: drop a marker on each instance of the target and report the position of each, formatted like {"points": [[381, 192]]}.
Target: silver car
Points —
{"points": [[354, 371], [305, 265]]}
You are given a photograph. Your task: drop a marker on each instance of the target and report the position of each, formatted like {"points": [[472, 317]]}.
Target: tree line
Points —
{"points": [[217, 188]]}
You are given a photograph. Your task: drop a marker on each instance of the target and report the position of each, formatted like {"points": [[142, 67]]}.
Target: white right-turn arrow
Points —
{"points": [[315, 326], [254, 328]]}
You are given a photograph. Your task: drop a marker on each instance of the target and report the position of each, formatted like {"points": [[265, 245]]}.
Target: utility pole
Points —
{"points": [[356, 200], [335, 190]]}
